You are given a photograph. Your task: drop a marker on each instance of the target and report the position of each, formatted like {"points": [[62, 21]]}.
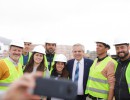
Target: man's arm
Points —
{"points": [[109, 73], [111, 79], [4, 70]]}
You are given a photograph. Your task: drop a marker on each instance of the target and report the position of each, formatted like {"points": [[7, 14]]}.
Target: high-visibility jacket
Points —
{"points": [[21, 58], [97, 84], [47, 73], [127, 74], [13, 74]]}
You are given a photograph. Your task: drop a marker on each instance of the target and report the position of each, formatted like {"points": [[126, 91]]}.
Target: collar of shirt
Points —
{"points": [[124, 63], [100, 59], [80, 62], [27, 54], [16, 64]]}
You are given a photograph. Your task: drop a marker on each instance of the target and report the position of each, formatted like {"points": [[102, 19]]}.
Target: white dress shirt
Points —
{"points": [[81, 73]]}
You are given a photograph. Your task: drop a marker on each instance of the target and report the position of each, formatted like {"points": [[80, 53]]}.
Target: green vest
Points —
{"points": [[46, 65], [14, 74], [97, 84], [128, 76], [21, 58]]}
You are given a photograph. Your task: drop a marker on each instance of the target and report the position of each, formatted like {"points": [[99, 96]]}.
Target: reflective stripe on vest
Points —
{"points": [[4, 84], [127, 74], [13, 74], [48, 73], [97, 90], [98, 80], [97, 84]]}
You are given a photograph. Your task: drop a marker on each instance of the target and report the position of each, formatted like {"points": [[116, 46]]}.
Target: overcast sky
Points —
{"points": [[68, 21]]}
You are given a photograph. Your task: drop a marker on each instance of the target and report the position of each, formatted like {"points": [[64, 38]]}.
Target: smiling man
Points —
{"points": [[10, 68], [78, 69], [50, 47], [122, 86]]}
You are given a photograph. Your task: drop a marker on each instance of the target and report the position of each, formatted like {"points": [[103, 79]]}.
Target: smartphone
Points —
{"points": [[61, 88]]}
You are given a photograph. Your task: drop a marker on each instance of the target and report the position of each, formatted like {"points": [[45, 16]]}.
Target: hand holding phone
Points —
{"points": [[61, 88]]}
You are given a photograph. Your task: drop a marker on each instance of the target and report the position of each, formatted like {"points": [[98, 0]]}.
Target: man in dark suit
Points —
{"points": [[82, 70]]}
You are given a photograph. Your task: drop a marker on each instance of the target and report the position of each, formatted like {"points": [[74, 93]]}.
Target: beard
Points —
{"points": [[50, 51], [122, 57]]}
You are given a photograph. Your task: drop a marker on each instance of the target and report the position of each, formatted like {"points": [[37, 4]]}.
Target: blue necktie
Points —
{"points": [[76, 77]]}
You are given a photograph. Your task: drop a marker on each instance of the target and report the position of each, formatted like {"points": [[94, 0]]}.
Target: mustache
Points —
{"points": [[16, 54], [120, 52]]}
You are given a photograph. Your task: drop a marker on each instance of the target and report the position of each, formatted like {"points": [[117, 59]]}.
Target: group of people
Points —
{"points": [[101, 79]]}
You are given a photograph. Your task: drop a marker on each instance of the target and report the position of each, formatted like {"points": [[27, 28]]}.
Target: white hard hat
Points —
{"points": [[105, 41], [39, 49], [50, 40], [18, 43], [60, 58], [119, 41], [27, 40]]}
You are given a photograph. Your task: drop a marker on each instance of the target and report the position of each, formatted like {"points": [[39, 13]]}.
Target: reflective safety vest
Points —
{"points": [[21, 58], [47, 73], [97, 84], [128, 76], [13, 74]]}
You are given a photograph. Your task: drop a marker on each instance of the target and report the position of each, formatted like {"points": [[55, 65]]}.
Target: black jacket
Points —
{"points": [[121, 87], [87, 65]]}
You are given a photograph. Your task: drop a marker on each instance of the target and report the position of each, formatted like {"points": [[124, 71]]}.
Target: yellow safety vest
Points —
{"points": [[14, 74], [128, 76], [21, 58], [46, 65], [97, 84]]}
